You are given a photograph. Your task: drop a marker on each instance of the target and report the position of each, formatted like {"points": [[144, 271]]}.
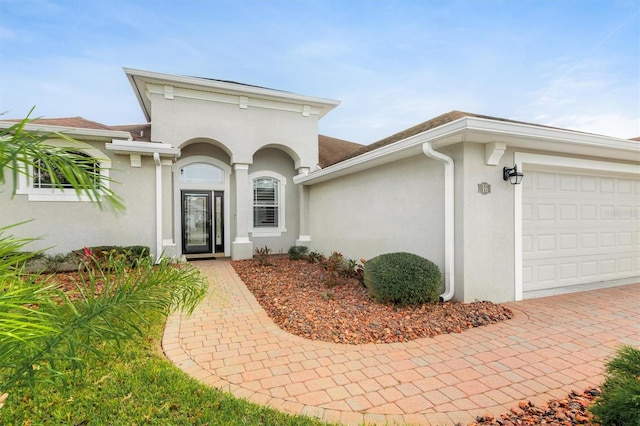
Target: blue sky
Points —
{"points": [[393, 63]]}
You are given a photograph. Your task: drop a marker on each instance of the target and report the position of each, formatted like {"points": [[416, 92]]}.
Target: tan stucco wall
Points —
{"points": [[400, 207], [70, 225], [394, 207], [484, 227], [277, 161], [241, 131]]}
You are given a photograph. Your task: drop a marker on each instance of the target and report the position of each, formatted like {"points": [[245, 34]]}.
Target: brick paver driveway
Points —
{"points": [[552, 346]]}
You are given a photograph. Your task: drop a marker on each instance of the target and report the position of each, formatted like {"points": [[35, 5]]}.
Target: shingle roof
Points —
{"points": [[332, 150], [423, 127], [432, 124], [139, 132], [72, 122]]}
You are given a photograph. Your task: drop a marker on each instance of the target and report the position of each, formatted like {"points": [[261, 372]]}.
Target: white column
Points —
{"points": [[304, 239], [242, 247]]}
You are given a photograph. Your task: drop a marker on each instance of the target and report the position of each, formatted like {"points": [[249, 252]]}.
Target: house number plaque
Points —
{"points": [[484, 188]]}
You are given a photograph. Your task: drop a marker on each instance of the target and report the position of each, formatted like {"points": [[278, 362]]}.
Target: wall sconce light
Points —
{"points": [[512, 175]]}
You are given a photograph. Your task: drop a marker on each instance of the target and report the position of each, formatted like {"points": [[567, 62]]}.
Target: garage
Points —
{"points": [[578, 227]]}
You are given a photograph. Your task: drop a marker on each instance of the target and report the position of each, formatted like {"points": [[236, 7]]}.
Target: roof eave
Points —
{"points": [[142, 148], [94, 134], [138, 79], [480, 130]]}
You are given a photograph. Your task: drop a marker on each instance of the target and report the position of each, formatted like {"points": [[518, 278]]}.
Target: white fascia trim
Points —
{"points": [[146, 77], [71, 131], [531, 131], [243, 102], [142, 148]]}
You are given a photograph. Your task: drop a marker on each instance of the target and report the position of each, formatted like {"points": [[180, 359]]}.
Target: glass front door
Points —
{"points": [[202, 222], [196, 222]]}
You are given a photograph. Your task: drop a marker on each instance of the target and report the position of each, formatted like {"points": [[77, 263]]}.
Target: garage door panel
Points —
{"points": [[588, 212], [579, 229], [568, 241]]}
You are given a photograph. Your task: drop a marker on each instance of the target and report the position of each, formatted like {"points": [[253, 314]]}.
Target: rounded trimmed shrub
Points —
{"points": [[402, 279]]}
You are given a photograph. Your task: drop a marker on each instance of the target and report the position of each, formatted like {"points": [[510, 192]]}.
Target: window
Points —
{"points": [[201, 173], [37, 184], [265, 203], [42, 177], [268, 202]]}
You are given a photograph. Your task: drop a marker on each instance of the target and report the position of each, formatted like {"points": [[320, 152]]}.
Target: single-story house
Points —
{"points": [[222, 168]]}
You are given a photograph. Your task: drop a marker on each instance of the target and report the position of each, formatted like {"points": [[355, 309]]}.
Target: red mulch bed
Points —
{"points": [[294, 295], [569, 411], [68, 282]]}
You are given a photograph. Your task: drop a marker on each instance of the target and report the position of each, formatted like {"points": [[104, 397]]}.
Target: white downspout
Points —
{"points": [[449, 219], [156, 159]]}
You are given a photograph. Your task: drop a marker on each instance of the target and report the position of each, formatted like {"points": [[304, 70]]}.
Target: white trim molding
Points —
{"points": [[527, 161]]}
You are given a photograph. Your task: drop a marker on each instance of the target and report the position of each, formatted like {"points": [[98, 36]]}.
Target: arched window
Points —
{"points": [[201, 173]]}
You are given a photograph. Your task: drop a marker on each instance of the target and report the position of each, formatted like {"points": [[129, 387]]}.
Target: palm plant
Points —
{"points": [[44, 334], [22, 150]]}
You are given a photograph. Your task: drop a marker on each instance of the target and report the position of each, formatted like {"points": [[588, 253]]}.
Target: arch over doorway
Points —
{"points": [[201, 206]]}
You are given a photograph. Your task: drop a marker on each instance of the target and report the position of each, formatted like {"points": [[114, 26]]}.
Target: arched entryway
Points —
{"points": [[202, 206]]}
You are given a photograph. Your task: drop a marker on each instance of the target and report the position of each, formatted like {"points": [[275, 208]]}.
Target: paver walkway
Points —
{"points": [[552, 345]]}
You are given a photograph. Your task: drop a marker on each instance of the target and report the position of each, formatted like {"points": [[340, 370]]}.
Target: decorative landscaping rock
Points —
{"points": [[294, 296]]}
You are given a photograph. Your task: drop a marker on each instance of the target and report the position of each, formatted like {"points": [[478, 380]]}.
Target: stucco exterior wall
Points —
{"points": [[241, 131], [278, 161], [390, 208], [484, 227], [69, 225]]}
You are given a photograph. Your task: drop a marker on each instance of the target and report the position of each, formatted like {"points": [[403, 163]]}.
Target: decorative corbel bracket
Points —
{"points": [[135, 160], [493, 152], [168, 92]]}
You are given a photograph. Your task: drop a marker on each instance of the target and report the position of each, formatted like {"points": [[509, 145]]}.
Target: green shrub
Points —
{"points": [[402, 279], [619, 403], [298, 252]]}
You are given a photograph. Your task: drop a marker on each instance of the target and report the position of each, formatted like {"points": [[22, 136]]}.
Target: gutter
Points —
{"points": [[156, 159], [449, 218]]}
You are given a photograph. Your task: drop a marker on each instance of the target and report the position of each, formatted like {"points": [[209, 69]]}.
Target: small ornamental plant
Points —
{"points": [[262, 255], [298, 252]]}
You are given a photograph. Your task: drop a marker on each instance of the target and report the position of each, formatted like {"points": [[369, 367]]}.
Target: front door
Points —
{"points": [[202, 222]]}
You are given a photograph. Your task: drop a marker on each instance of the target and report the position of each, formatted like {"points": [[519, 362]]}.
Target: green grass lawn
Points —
{"points": [[135, 385]]}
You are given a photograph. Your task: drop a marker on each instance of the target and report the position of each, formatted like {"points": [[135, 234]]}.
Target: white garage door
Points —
{"points": [[578, 229]]}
